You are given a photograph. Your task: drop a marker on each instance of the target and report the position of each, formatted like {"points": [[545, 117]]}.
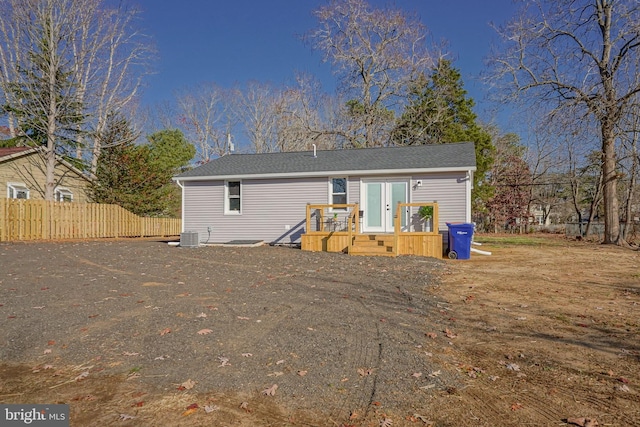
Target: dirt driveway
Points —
{"points": [[138, 333]]}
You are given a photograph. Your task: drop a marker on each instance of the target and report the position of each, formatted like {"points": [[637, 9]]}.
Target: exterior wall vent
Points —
{"points": [[189, 239]]}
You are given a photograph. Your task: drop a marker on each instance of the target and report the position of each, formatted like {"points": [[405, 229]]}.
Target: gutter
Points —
{"points": [[365, 172]]}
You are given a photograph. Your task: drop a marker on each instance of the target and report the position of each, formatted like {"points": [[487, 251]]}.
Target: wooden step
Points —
{"points": [[361, 238], [373, 245], [372, 251]]}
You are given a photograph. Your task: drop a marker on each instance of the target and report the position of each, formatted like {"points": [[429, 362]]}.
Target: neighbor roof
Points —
{"points": [[11, 151], [434, 157]]}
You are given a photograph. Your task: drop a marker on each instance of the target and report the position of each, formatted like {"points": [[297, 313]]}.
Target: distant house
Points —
{"points": [[22, 176], [264, 196]]}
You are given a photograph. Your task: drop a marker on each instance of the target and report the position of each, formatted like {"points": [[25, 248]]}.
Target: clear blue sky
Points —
{"points": [[235, 41]]}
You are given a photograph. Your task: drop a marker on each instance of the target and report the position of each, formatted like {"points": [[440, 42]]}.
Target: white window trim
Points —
{"points": [[62, 191], [15, 187], [331, 193], [228, 211]]}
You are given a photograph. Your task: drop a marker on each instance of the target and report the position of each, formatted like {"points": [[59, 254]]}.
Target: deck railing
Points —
{"points": [[410, 229], [337, 225]]}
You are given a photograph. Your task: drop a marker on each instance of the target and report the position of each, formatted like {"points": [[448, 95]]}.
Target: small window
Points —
{"points": [[338, 191], [233, 197], [63, 195], [17, 191]]}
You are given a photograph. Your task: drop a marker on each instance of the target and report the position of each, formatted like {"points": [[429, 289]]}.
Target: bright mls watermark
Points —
{"points": [[34, 415]]}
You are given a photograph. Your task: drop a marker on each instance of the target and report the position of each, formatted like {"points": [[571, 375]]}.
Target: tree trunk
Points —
{"points": [[52, 108], [628, 210], [612, 233]]}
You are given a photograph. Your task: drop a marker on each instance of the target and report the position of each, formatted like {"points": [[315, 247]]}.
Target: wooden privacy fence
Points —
{"points": [[43, 220]]}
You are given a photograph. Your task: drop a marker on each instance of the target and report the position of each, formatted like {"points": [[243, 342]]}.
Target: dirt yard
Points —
{"points": [[544, 332]]}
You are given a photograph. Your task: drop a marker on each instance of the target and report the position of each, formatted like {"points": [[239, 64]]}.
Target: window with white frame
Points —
{"points": [[233, 200], [17, 191], [338, 189], [63, 195]]}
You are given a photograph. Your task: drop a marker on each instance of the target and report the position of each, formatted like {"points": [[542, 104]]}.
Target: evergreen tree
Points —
{"points": [[439, 111], [138, 177]]}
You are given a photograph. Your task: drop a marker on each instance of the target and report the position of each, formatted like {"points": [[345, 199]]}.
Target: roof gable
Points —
{"points": [[455, 156]]}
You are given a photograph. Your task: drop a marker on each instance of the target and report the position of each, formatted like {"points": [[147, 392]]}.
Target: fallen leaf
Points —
{"points": [[82, 376], [432, 335], [202, 315], [280, 362], [245, 406], [423, 419], [208, 409], [187, 385], [365, 372], [193, 406], [516, 406], [47, 351], [51, 342], [416, 374], [583, 422], [386, 422], [271, 391], [513, 367], [224, 362], [165, 331], [189, 412], [204, 331], [450, 334], [302, 373], [137, 404]]}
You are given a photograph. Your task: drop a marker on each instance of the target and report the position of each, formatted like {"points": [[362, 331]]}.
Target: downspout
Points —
{"points": [[469, 187]]}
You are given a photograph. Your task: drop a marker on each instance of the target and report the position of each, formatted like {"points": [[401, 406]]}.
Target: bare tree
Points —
{"points": [[306, 116], [582, 55], [204, 113], [66, 66], [256, 109], [376, 54]]}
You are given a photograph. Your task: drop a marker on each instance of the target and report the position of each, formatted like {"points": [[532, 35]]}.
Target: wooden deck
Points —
{"points": [[330, 232]]}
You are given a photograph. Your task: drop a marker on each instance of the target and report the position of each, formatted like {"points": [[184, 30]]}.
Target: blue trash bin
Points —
{"points": [[460, 236]]}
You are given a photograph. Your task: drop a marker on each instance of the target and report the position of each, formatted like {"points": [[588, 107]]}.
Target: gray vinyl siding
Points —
{"points": [[448, 189], [267, 207]]}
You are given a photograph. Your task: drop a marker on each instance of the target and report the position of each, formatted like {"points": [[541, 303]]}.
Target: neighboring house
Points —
{"points": [[22, 176], [264, 196]]}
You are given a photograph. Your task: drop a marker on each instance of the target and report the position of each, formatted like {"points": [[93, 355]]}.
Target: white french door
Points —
{"points": [[381, 197]]}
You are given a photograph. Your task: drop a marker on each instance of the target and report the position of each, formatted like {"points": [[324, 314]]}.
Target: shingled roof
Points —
{"points": [[423, 158], [10, 151]]}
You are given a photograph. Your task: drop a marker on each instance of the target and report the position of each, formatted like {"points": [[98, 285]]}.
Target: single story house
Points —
{"points": [[265, 196], [22, 176]]}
